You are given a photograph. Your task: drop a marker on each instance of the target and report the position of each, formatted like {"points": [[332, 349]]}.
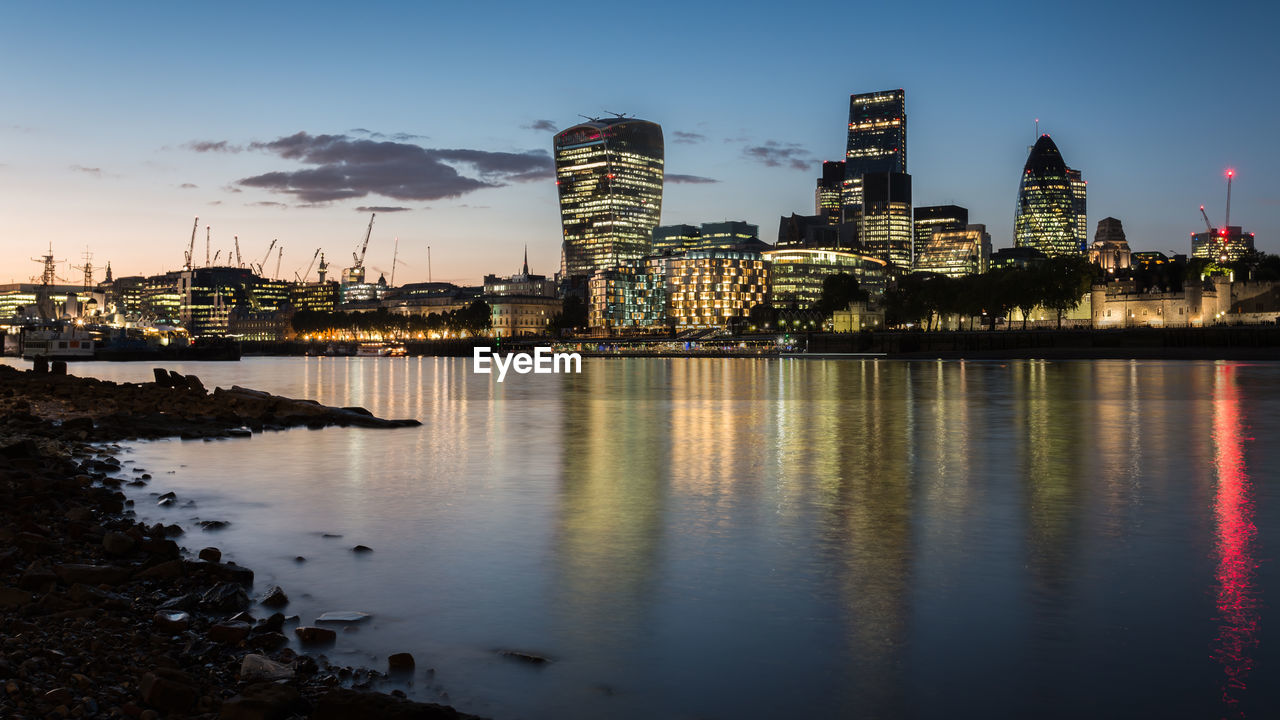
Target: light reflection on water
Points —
{"points": [[749, 538]]}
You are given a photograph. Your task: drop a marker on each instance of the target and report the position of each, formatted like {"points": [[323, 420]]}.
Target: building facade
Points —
{"points": [[956, 253], [628, 297], [877, 142], [937, 217], [1050, 215], [711, 288], [1110, 250], [668, 239], [885, 228], [827, 197], [796, 275], [609, 177], [1222, 245]]}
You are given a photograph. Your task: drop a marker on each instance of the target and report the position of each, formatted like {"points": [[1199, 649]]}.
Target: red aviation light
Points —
{"points": [[1231, 172]]}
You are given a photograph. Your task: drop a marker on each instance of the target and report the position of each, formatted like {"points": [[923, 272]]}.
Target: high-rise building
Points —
{"points": [[827, 198], [609, 175], [956, 253], [728, 233], [669, 239], [885, 229], [1110, 249], [709, 288], [1224, 245], [877, 142], [1051, 204], [937, 217]]}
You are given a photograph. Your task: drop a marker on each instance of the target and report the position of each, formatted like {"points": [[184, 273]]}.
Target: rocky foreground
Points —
{"points": [[102, 616]]}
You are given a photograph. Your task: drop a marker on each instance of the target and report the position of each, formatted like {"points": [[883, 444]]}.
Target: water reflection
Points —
{"points": [[1238, 599]]}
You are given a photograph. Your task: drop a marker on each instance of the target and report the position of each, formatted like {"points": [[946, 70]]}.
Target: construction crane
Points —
{"points": [[395, 259], [1207, 224], [216, 255], [267, 257], [208, 240], [279, 256], [311, 264], [191, 247], [238, 263], [359, 265]]}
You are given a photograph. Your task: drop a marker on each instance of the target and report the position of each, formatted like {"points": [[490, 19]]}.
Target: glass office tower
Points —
{"points": [[877, 142], [609, 177], [1051, 204]]}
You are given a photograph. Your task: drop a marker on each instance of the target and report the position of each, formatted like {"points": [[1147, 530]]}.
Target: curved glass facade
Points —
{"points": [[1051, 204], [609, 176], [797, 274]]}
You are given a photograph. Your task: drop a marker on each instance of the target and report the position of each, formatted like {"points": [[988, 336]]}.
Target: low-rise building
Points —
{"points": [[857, 317], [956, 253], [796, 274], [711, 288]]}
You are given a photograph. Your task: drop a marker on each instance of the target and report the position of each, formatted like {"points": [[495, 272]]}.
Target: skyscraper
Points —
{"points": [[827, 197], [937, 217], [1051, 204], [877, 141], [885, 230], [609, 177]]}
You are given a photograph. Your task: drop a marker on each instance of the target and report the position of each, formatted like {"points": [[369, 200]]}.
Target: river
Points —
{"points": [[733, 538]]}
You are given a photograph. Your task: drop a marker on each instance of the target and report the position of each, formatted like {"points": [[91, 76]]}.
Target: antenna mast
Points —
{"points": [[1230, 174]]}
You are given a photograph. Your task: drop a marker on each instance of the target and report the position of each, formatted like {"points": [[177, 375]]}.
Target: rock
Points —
{"points": [[214, 524], [118, 543], [528, 657], [188, 601], [193, 383], [400, 662], [211, 554], [58, 696], [11, 598], [267, 640], [172, 621], [168, 691], [37, 579], [229, 633], [344, 704], [264, 701], [225, 596], [273, 623], [275, 598], [258, 667], [330, 535], [315, 635], [299, 559], [79, 514], [71, 573], [342, 616], [164, 570], [162, 377], [362, 549]]}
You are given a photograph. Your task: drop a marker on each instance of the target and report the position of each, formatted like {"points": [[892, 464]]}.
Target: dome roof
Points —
{"points": [[1045, 160]]}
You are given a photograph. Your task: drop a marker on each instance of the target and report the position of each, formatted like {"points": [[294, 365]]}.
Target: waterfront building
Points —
{"points": [[207, 295], [609, 178], [711, 288], [630, 296], [316, 296], [827, 197], [354, 290], [937, 217], [162, 299], [1222, 245], [669, 239], [885, 228], [796, 274], [261, 326], [522, 283], [857, 317], [1110, 249], [877, 143], [48, 302], [956, 253], [813, 231], [1051, 204], [517, 315]]}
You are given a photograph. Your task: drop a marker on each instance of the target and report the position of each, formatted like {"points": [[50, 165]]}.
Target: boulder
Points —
{"points": [[275, 598], [342, 616], [344, 704], [117, 543], [264, 701], [229, 633], [211, 554], [255, 667], [172, 621], [225, 596], [400, 662], [312, 635], [169, 690], [71, 573]]}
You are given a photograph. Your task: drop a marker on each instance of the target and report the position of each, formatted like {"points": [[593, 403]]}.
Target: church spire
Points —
{"points": [[525, 271]]}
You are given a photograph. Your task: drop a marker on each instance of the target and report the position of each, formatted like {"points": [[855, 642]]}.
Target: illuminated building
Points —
{"points": [[813, 231], [1110, 250], [827, 197], [727, 234], [937, 217], [1224, 245], [1016, 258], [877, 143], [522, 283], [709, 288], [317, 296], [355, 290], [796, 274], [628, 296], [885, 227], [956, 253], [516, 315], [609, 177], [207, 295], [668, 239], [47, 302], [1051, 204]]}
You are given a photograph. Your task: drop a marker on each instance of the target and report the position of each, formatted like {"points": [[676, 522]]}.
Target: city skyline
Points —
{"points": [[102, 135]]}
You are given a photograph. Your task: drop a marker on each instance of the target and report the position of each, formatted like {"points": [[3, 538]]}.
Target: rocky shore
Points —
{"points": [[102, 616]]}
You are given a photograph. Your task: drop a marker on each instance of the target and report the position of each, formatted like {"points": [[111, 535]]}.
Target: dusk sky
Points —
{"points": [[121, 123]]}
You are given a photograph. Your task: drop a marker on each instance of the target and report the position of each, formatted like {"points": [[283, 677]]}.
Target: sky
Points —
{"points": [[120, 123]]}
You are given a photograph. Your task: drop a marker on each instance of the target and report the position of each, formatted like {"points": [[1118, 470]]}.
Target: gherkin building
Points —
{"points": [[1051, 204]]}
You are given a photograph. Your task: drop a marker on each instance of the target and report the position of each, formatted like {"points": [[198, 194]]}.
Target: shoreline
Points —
{"points": [[104, 616]]}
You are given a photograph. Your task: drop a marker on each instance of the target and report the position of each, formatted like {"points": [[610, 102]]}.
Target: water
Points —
{"points": [[708, 538]]}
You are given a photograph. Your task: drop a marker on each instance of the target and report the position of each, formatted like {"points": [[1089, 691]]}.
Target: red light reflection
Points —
{"points": [[1237, 600]]}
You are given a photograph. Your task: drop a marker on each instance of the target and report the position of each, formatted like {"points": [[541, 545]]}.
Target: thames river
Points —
{"points": [[730, 538]]}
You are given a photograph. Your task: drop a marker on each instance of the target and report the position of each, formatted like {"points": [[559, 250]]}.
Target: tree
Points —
{"points": [[572, 315], [1068, 278], [838, 291], [763, 316]]}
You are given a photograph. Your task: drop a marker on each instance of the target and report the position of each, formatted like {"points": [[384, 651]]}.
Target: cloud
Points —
{"points": [[231, 189], [188, 186], [215, 202], [381, 208], [221, 146], [688, 138], [343, 167], [776, 154], [688, 179], [398, 137], [267, 203], [96, 172], [541, 126]]}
